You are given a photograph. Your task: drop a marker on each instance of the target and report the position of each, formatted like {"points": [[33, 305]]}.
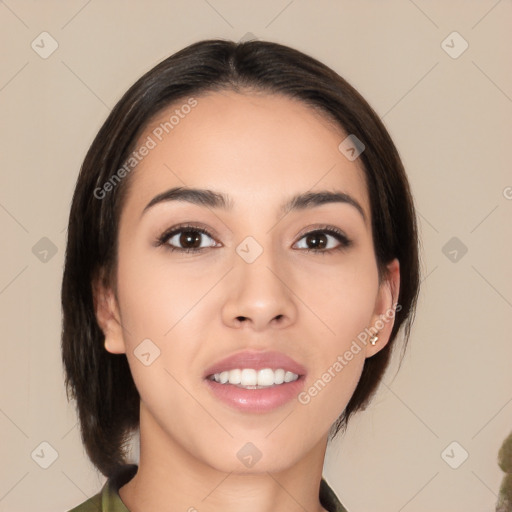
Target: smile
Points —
{"points": [[254, 379]]}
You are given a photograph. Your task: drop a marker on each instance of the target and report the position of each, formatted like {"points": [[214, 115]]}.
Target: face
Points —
{"points": [[301, 282]]}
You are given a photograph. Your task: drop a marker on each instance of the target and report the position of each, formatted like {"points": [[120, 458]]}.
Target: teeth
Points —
{"points": [[234, 376], [253, 379]]}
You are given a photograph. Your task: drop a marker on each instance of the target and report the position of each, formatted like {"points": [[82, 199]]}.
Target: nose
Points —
{"points": [[260, 295]]}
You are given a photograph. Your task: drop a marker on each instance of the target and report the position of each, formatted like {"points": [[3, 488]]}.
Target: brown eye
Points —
{"points": [[324, 240], [316, 241], [186, 239], [190, 239]]}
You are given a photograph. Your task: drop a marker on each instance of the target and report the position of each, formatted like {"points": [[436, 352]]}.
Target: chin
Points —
{"points": [[248, 459]]}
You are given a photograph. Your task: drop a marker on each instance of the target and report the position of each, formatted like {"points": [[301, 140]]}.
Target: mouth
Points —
{"points": [[249, 378], [255, 382]]}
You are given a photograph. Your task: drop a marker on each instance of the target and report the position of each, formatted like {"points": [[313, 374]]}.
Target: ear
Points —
{"points": [[383, 317], [107, 314]]}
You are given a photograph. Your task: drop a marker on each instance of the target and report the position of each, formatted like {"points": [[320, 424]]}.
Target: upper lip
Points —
{"points": [[257, 361]]}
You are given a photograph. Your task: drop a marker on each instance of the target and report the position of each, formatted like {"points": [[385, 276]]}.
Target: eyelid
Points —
{"points": [[321, 228]]}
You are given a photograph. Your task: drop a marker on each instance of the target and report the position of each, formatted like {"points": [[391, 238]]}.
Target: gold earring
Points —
{"points": [[374, 339]]}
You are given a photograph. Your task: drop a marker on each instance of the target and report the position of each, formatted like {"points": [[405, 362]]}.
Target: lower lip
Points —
{"points": [[256, 400]]}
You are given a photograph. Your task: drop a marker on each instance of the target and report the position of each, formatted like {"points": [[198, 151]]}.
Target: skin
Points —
{"points": [[259, 149]]}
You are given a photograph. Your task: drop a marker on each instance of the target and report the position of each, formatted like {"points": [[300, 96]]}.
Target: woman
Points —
{"points": [[242, 252]]}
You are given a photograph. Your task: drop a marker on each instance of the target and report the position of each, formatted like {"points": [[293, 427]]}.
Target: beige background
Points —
{"points": [[451, 119]]}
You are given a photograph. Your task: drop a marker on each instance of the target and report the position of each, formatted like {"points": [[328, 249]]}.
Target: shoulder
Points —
{"points": [[91, 505], [108, 500]]}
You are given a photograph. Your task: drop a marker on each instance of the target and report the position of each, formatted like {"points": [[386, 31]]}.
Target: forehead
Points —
{"points": [[257, 148]]}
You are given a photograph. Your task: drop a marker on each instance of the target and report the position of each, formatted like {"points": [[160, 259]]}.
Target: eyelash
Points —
{"points": [[345, 243]]}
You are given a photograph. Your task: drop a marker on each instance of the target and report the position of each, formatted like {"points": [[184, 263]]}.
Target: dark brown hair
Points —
{"points": [[101, 382]]}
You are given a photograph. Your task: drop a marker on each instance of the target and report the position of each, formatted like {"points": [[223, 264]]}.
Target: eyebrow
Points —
{"points": [[212, 199]]}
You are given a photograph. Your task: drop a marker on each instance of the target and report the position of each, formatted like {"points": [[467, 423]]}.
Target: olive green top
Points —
{"points": [[108, 500]]}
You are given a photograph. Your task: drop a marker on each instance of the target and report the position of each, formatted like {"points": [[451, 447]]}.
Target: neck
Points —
{"points": [[170, 478]]}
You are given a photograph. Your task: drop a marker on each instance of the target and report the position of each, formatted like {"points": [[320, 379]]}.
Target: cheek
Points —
{"points": [[157, 295], [344, 299], [326, 396], [342, 296], [163, 320]]}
